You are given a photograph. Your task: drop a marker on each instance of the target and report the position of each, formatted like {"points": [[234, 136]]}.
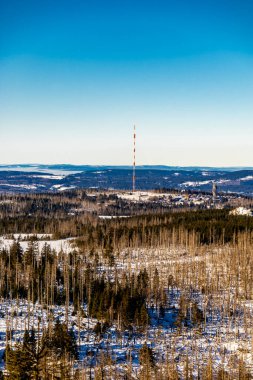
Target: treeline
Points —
{"points": [[196, 227], [38, 204]]}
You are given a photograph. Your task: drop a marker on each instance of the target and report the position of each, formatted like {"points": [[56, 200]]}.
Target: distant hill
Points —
{"points": [[70, 167], [41, 178]]}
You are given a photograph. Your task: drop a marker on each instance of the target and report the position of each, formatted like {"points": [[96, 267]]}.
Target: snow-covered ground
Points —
{"points": [[47, 176], [147, 196], [23, 186], [24, 240], [62, 187], [219, 338], [241, 211]]}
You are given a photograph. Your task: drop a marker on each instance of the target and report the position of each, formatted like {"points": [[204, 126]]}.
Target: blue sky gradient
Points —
{"points": [[76, 75]]}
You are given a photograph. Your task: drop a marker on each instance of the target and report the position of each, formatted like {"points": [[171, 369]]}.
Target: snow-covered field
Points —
{"points": [[146, 196], [24, 240]]}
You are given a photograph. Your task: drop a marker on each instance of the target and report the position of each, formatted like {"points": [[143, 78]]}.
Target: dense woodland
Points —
{"points": [[186, 272], [205, 226]]}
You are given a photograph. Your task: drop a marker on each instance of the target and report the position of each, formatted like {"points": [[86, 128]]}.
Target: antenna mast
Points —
{"points": [[134, 159]]}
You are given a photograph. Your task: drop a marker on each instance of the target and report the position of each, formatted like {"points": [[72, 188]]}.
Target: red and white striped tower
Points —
{"points": [[134, 160]]}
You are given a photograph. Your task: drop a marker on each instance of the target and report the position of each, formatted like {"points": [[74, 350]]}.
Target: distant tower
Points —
{"points": [[134, 177], [214, 190]]}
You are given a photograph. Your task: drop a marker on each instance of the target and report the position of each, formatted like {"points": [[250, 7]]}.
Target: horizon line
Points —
{"points": [[127, 166]]}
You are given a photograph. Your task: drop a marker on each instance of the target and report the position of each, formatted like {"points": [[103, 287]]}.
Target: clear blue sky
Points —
{"points": [[76, 75]]}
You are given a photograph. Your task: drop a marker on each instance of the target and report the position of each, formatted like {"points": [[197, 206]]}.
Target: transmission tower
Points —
{"points": [[134, 148], [214, 190]]}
